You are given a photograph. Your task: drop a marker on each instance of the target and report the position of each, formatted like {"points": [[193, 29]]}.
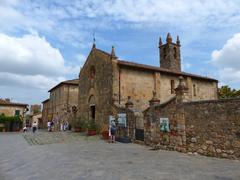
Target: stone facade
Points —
{"points": [[95, 88], [208, 127], [170, 57], [63, 97], [105, 81], [213, 127], [46, 113]]}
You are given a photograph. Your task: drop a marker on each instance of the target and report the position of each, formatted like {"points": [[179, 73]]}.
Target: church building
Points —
{"points": [[106, 82]]}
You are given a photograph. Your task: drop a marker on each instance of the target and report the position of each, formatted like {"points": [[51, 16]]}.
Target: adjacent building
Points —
{"points": [[106, 82], [9, 108], [62, 98]]}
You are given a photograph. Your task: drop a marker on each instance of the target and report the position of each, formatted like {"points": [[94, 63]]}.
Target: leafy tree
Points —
{"points": [[227, 92]]}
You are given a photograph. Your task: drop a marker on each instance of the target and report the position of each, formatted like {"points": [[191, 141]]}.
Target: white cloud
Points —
{"points": [[29, 81], [31, 61], [30, 54], [70, 21], [227, 60]]}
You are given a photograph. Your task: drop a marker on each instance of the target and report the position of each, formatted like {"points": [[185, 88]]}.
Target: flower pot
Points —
{"points": [[92, 132], [77, 129], [105, 135]]}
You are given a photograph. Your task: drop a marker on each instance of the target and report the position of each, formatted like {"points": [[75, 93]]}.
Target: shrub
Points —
{"points": [[92, 126]]}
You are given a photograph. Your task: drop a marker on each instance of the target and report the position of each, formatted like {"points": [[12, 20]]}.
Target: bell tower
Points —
{"points": [[170, 57]]}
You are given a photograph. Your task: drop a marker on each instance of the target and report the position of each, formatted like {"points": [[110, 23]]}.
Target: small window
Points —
{"points": [[194, 90], [172, 86], [17, 112], [164, 52], [175, 52], [92, 72]]}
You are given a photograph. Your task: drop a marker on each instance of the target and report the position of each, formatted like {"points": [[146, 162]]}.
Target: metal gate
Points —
{"points": [[139, 134]]}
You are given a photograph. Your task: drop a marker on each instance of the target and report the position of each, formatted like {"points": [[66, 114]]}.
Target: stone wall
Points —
{"points": [[213, 127], [153, 136], [210, 127]]}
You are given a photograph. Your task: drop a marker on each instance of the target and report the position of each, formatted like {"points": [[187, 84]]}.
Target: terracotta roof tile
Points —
{"points": [[159, 69], [8, 103], [70, 82]]}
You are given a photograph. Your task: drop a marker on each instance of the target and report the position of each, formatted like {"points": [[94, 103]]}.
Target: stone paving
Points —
{"points": [[71, 156], [44, 138]]}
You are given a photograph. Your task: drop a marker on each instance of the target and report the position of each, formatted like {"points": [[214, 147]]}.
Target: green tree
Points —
{"points": [[227, 92]]}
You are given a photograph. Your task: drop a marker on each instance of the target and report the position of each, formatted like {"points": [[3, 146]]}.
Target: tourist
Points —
{"points": [[24, 129], [34, 126], [61, 126], [113, 130], [49, 126], [65, 125]]}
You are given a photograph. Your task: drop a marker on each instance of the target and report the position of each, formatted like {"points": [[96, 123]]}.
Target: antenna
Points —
{"points": [[94, 40]]}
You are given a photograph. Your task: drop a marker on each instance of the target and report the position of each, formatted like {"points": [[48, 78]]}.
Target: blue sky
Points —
{"points": [[44, 42]]}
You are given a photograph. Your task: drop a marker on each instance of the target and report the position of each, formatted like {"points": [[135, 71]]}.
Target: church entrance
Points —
{"points": [[92, 108], [92, 111]]}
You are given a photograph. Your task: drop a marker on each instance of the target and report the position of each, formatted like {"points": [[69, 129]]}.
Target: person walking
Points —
{"points": [[34, 126], [49, 126], [112, 133]]}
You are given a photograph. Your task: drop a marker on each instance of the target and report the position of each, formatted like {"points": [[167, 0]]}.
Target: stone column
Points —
{"points": [[181, 91], [154, 100]]}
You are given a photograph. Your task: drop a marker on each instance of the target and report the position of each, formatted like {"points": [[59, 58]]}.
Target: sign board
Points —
{"points": [[164, 125], [111, 118], [122, 120]]}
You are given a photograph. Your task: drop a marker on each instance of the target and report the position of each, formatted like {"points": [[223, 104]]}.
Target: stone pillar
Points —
{"points": [[129, 103], [181, 91], [157, 83], [154, 100], [190, 88]]}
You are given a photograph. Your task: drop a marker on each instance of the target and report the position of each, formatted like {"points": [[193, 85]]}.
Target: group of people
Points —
{"points": [[63, 126], [34, 127], [50, 125]]}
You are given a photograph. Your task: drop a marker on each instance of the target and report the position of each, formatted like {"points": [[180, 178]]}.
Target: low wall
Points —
{"points": [[153, 136], [210, 128], [213, 127]]}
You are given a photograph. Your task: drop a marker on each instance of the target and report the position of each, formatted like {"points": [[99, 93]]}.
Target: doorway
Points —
{"points": [[92, 109]]}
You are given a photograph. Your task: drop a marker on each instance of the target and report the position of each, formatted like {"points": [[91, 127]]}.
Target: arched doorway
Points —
{"points": [[92, 106]]}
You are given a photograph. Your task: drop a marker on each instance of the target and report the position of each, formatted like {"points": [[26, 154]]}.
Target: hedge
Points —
{"points": [[4, 119]]}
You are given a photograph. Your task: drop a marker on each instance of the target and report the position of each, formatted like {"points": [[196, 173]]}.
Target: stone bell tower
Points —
{"points": [[170, 57]]}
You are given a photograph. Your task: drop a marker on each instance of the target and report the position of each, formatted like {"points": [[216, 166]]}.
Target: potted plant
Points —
{"points": [[92, 128], [79, 125]]}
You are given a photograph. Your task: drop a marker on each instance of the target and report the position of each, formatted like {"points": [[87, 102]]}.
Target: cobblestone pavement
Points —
{"points": [[44, 138], [70, 156]]}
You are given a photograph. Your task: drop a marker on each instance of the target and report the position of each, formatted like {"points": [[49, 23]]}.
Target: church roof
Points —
{"points": [[73, 82], [158, 69], [45, 101], [162, 70]]}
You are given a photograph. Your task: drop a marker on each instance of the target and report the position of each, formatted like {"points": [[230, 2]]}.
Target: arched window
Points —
{"points": [[164, 52], [175, 52]]}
